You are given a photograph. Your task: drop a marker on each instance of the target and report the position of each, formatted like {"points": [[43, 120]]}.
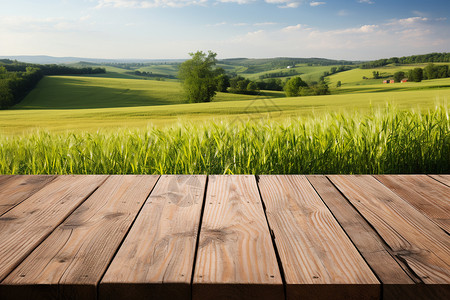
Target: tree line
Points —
{"points": [[17, 79], [431, 71], [14, 86], [413, 59]]}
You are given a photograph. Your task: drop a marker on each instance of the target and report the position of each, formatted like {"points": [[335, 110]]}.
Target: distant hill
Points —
{"points": [[44, 59]]}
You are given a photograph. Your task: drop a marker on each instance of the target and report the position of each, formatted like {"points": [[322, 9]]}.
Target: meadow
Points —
{"points": [[379, 141], [73, 103], [118, 124]]}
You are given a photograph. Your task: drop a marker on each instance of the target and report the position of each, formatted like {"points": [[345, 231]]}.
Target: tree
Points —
{"points": [[398, 76], [338, 84], [376, 75], [223, 83], [293, 85], [198, 77], [415, 74]]}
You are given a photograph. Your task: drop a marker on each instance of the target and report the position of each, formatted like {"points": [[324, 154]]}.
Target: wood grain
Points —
{"points": [[157, 257], [395, 276], [16, 188], [445, 179], [319, 260], [236, 258], [430, 197], [413, 238], [72, 260], [26, 225]]}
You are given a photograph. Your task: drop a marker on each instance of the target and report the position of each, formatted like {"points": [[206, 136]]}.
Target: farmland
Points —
{"points": [[88, 103], [110, 123], [377, 141]]}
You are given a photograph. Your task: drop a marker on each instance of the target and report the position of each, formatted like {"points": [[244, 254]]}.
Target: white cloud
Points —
{"points": [[240, 24], [150, 3], [265, 24], [217, 24], [413, 21], [366, 1], [316, 3], [369, 41], [236, 1], [286, 3], [293, 27]]}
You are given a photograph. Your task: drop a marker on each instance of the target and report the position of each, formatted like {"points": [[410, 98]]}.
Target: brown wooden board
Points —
{"points": [[319, 260], [236, 258], [156, 259], [397, 283], [413, 238], [430, 197], [15, 189], [26, 225], [71, 261], [445, 179]]}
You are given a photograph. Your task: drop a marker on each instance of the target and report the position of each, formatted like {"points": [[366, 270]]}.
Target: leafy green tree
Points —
{"points": [[430, 71], [415, 75], [252, 87], [398, 76], [339, 84], [198, 77], [376, 75], [223, 83], [293, 85]]}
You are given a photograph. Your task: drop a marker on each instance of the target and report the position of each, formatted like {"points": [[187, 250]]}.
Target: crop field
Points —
{"points": [[90, 124], [377, 141], [62, 103]]}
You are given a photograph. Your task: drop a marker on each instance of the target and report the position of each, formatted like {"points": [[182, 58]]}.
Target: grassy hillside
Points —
{"points": [[75, 116], [355, 76], [74, 92]]}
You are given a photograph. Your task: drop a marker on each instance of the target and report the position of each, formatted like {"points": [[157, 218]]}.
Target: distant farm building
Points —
{"points": [[392, 81], [385, 81], [404, 80], [389, 81]]}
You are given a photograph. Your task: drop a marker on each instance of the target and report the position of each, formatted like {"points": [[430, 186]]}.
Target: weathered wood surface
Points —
{"points": [[398, 281], [25, 226], [319, 261], [15, 189], [413, 238], [236, 259], [424, 193], [157, 257], [72, 260], [445, 179], [225, 237]]}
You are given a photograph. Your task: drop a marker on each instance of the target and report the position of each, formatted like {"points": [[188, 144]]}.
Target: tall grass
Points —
{"points": [[382, 141]]}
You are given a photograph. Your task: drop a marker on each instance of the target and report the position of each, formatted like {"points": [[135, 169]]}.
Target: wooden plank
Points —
{"points": [[319, 260], [156, 259], [413, 238], [430, 197], [235, 258], [397, 283], [445, 179], [26, 225], [71, 261], [17, 188]]}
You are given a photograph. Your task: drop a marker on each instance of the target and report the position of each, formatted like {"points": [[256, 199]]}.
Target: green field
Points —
{"points": [[116, 124], [355, 76], [377, 141], [75, 103]]}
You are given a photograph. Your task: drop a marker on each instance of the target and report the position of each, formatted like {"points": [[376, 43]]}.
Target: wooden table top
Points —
{"points": [[225, 237]]}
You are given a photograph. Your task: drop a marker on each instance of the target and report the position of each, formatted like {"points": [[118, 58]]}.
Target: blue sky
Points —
{"points": [[350, 29]]}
